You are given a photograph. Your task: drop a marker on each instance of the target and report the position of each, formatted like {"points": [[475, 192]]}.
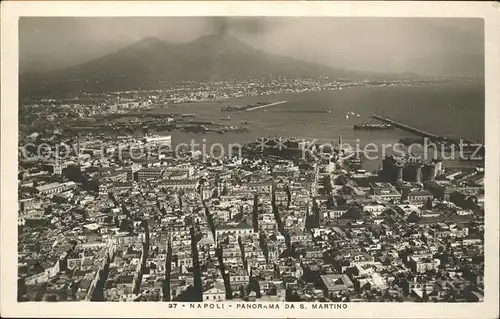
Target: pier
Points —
{"points": [[432, 137], [263, 106], [405, 127]]}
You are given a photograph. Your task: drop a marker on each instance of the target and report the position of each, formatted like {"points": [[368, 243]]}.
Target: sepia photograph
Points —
{"points": [[258, 165]]}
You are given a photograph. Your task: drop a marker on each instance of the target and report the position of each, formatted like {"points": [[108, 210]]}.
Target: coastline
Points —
{"points": [[292, 93]]}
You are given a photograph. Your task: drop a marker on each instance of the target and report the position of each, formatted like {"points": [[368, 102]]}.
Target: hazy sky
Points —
{"points": [[429, 46]]}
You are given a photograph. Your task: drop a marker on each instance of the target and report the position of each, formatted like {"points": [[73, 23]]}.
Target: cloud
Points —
{"points": [[250, 26]]}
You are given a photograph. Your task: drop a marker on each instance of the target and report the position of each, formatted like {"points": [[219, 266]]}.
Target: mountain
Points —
{"points": [[150, 61]]}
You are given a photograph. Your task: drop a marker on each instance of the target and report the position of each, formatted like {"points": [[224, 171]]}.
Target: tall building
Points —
{"points": [[412, 172], [392, 169], [438, 167], [428, 172], [431, 169], [398, 171]]}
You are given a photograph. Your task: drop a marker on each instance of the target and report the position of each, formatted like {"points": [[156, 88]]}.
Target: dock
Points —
{"points": [[405, 127], [431, 136], [266, 105]]}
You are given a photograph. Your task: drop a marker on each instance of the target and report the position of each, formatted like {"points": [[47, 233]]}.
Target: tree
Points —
{"points": [[224, 273], [330, 203], [263, 246], [428, 204], [242, 251], [257, 288], [313, 221], [275, 210], [168, 268], [288, 242], [180, 194], [255, 213], [242, 291], [215, 193], [341, 200], [127, 226], [198, 289], [425, 297], [48, 210], [288, 196]]}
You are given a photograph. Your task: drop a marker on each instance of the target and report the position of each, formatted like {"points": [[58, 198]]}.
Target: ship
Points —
{"points": [[351, 113], [372, 126], [232, 108]]}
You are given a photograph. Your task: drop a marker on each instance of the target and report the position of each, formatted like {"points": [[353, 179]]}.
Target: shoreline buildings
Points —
{"points": [[270, 226]]}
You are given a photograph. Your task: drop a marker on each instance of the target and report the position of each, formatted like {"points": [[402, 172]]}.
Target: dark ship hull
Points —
{"points": [[372, 127]]}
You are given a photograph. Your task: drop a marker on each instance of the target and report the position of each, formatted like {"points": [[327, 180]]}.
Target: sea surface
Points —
{"points": [[448, 109]]}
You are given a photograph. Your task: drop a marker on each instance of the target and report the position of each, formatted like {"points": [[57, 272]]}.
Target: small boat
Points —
{"points": [[246, 122], [226, 119]]}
